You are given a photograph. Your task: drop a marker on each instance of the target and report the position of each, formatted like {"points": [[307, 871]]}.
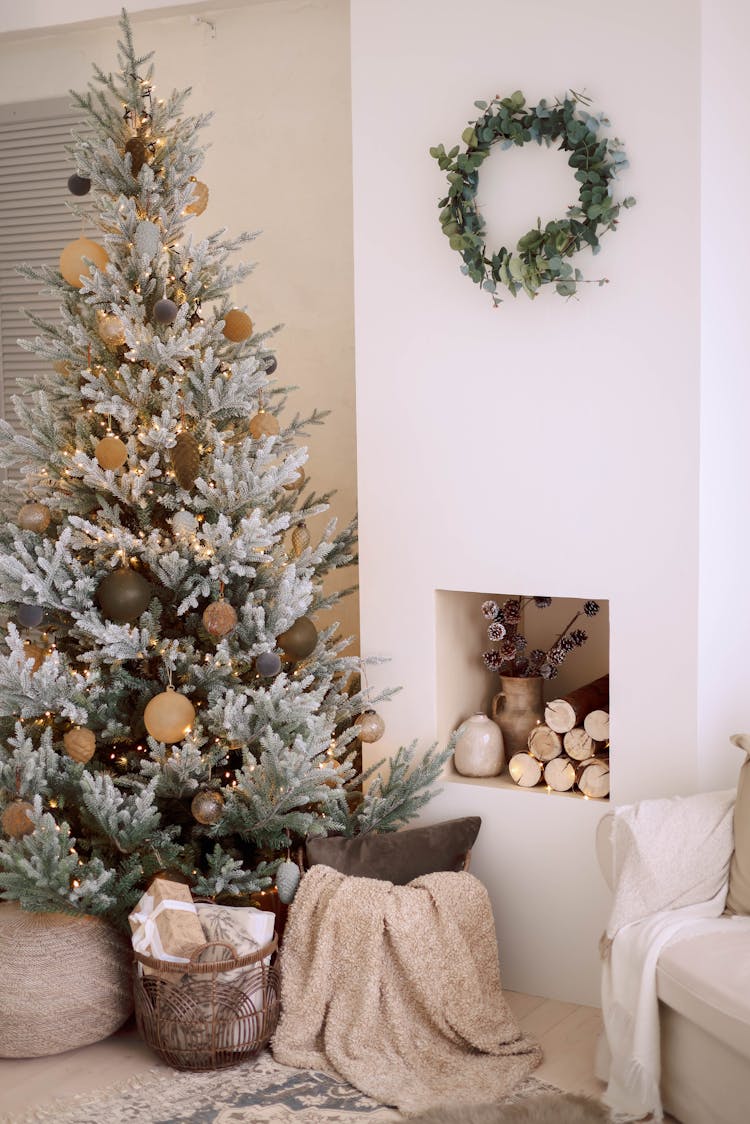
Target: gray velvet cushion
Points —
{"points": [[398, 856]]}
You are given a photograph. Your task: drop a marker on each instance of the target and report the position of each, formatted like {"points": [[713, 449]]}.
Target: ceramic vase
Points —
{"points": [[517, 708], [479, 748]]}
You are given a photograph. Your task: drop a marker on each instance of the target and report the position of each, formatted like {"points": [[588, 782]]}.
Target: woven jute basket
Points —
{"points": [[64, 981], [214, 1012]]}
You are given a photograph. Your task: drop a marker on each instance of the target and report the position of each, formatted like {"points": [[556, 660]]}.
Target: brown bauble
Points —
{"points": [[72, 266], [34, 652], [296, 482], [169, 717], [237, 325], [80, 744], [264, 424], [138, 154], [207, 806], [34, 517], [15, 821], [111, 452], [200, 199], [123, 595], [219, 618], [186, 459], [371, 726], [299, 640]]}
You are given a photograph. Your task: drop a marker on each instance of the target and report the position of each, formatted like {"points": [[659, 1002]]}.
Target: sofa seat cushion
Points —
{"points": [[707, 979]]}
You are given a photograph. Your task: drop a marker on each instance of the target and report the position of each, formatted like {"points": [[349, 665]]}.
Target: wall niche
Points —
{"points": [[466, 686]]}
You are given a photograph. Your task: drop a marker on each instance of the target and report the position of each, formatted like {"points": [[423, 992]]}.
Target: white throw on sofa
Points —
{"points": [[676, 974]]}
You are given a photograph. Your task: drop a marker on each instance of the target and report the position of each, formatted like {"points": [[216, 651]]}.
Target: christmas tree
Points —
{"points": [[167, 702]]}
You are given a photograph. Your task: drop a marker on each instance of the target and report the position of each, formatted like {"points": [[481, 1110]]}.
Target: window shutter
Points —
{"points": [[35, 224]]}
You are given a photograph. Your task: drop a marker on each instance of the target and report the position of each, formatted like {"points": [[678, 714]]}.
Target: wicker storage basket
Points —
{"points": [[212, 1013], [64, 981]]}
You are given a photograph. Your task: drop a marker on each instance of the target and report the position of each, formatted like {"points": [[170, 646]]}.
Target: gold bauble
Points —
{"points": [[34, 517], [200, 199], [237, 325], [169, 716], [371, 726], [111, 452], [296, 482], [219, 618], [207, 806], [15, 821], [72, 266], [300, 539], [62, 368], [80, 744], [33, 652], [186, 459], [264, 425], [111, 330]]}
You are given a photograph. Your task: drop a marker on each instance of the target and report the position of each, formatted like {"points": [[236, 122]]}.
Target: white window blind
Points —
{"points": [[35, 224]]}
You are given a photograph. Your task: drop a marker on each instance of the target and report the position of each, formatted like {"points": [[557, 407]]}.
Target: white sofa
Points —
{"points": [[703, 987]]}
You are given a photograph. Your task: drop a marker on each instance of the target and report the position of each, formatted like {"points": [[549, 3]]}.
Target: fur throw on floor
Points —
{"points": [[396, 989], [556, 1108]]}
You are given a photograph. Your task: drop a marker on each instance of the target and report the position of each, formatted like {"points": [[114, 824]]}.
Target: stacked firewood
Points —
{"points": [[570, 749]]}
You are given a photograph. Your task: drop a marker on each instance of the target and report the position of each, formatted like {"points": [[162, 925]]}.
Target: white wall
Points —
{"points": [[276, 76], [547, 446]]}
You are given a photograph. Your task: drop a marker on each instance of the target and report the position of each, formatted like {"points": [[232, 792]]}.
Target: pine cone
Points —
{"points": [[520, 642], [579, 637], [590, 608], [536, 655], [512, 610], [542, 602], [508, 648], [493, 660], [567, 644], [490, 610], [496, 631], [186, 459]]}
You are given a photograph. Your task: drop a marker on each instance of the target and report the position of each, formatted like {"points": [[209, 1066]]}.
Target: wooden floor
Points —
{"points": [[566, 1032]]}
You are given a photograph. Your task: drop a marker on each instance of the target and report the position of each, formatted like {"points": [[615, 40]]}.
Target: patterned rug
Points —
{"points": [[257, 1092]]}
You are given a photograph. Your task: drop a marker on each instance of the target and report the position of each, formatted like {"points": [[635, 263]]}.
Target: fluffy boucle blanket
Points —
{"points": [[396, 989]]}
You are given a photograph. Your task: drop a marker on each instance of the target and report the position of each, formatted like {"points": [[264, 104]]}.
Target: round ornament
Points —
{"points": [[79, 185], [138, 154], [169, 716], [296, 482], [268, 664], [33, 652], [165, 311], [184, 524], [207, 806], [300, 539], [72, 266], [111, 330], [237, 325], [186, 459], [111, 452], [287, 881], [123, 595], [200, 198], [34, 517], [264, 424], [16, 820], [299, 640], [80, 744], [542, 255], [271, 364], [371, 726], [219, 618], [147, 239], [30, 616]]}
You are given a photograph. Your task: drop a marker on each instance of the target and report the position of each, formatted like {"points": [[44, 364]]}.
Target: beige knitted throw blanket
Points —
{"points": [[396, 989]]}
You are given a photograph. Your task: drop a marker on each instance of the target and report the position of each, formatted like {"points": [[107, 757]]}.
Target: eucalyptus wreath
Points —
{"points": [[541, 256]]}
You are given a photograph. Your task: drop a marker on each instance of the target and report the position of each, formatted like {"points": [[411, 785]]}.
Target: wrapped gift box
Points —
{"points": [[165, 923]]}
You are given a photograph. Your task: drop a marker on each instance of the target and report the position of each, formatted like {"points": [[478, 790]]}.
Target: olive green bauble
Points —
{"points": [[299, 640], [123, 595]]}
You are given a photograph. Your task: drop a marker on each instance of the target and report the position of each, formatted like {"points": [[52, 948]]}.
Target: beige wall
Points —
{"points": [[276, 76]]}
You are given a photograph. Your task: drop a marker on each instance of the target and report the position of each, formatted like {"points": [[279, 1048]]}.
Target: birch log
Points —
{"points": [[594, 779], [578, 744], [525, 770], [596, 724], [563, 714], [560, 774], [545, 743]]}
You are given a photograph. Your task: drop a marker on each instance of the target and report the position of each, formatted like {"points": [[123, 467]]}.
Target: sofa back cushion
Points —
{"points": [[738, 893], [398, 856]]}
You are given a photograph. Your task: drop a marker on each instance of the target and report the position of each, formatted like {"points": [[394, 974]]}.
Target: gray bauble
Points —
{"points": [[299, 640], [268, 664], [165, 311], [123, 595], [271, 364], [30, 616], [79, 185]]}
